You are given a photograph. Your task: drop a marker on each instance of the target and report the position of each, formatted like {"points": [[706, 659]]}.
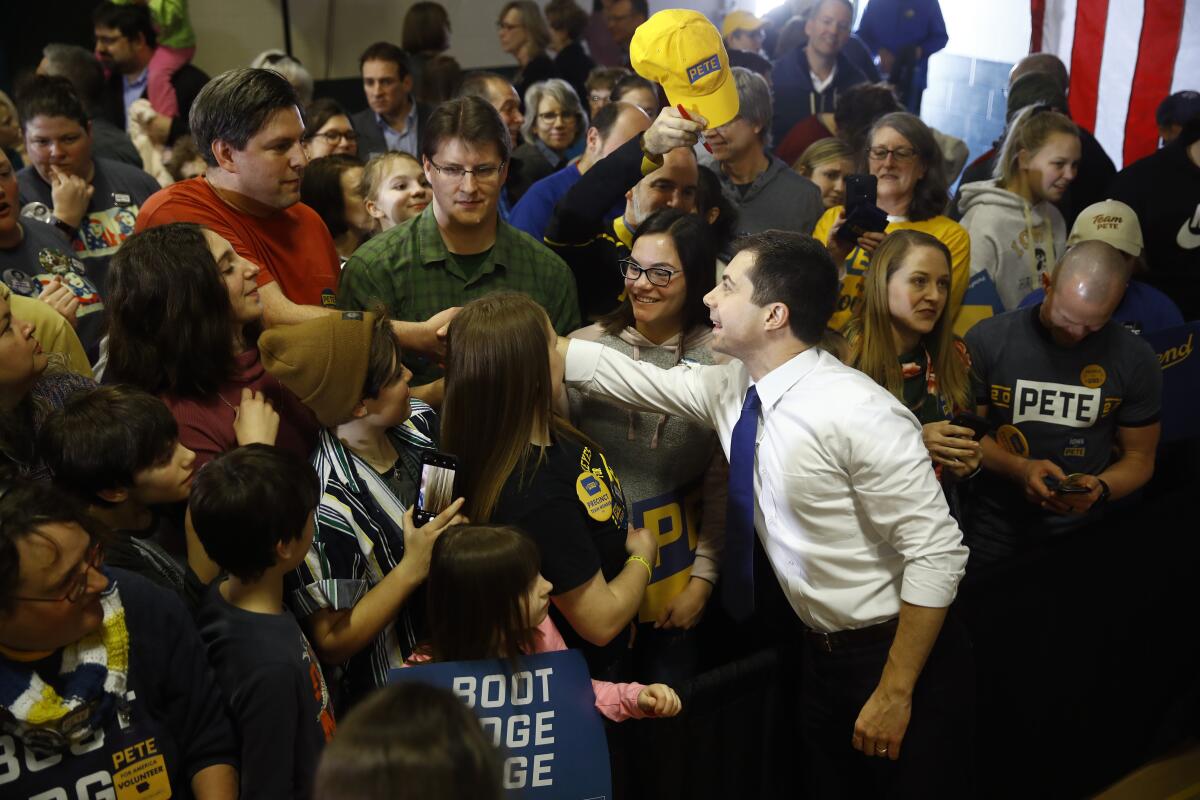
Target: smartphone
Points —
{"points": [[978, 425], [861, 190], [436, 491], [1065, 487]]}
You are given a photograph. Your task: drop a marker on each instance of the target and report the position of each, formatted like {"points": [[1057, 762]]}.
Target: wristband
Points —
{"points": [[64, 226], [644, 563]]}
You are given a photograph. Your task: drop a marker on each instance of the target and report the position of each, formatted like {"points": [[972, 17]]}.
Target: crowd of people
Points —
{"points": [[681, 361]]}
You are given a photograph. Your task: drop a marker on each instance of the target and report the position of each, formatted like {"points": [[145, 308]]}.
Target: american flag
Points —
{"points": [[1125, 56]]}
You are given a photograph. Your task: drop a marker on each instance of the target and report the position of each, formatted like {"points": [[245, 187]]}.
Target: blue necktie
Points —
{"points": [[737, 579]]}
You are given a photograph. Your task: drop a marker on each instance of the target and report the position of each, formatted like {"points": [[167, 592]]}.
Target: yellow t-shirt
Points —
{"points": [[946, 230], [51, 330]]}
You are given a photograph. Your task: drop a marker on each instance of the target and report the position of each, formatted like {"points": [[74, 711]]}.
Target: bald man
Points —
{"points": [[1064, 387]]}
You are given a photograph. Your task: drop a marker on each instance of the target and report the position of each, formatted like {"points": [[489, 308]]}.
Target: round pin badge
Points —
{"points": [[594, 495], [1012, 440], [1093, 376]]}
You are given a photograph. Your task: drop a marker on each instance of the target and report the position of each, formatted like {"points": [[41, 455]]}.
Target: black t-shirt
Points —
{"points": [[175, 724], [573, 507], [1164, 190], [276, 695], [1064, 404]]}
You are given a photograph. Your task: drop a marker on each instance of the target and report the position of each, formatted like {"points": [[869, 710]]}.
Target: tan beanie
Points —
{"points": [[322, 361]]}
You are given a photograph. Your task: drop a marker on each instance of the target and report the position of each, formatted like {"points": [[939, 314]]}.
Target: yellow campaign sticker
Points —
{"points": [[1011, 439], [143, 780], [594, 495], [1093, 376]]}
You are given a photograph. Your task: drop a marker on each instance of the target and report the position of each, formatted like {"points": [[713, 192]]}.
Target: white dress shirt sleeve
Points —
{"points": [[894, 481], [690, 392]]}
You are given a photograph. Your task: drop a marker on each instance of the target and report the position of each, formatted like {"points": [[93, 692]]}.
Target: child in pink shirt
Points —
{"points": [[487, 599]]}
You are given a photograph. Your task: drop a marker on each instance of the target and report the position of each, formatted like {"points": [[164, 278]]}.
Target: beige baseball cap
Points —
{"points": [[1111, 222]]}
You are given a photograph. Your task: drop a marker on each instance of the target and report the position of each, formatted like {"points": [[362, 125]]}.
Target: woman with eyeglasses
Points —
{"points": [[524, 35], [555, 123], [328, 131], [1017, 234], [670, 468], [906, 162], [332, 186], [521, 463], [32, 385], [103, 678]]}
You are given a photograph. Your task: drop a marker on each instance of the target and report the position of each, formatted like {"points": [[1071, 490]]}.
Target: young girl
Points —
{"points": [[488, 599], [395, 189], [826, 163], [902, 339], [1016, 232]]}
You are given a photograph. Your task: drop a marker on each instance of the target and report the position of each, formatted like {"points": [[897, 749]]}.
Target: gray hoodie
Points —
{"points": [[1010, 239]]}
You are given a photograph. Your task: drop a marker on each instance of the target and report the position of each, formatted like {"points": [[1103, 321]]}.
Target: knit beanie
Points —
{"points": [[322, 361]]}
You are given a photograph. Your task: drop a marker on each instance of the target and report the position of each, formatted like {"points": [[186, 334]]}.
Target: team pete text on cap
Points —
{"points": [[683, 51]]}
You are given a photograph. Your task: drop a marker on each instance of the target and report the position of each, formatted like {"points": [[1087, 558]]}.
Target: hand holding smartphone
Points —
{"points": [[978, 425], [436, 490]]}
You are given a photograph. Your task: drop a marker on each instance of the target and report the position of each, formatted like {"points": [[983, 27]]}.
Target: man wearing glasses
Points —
{"points": [[106, 685], [458, 249], [622, 18]]}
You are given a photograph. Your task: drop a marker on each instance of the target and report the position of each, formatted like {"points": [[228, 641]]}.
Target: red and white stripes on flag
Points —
{"points": [[1125, 56]]}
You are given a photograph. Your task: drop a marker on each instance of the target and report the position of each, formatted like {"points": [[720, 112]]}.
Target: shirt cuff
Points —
{"points": [[705, 568], [583, 358], [927, 587]]}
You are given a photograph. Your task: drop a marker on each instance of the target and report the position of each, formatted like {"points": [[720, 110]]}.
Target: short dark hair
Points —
{"points": [[103, 437], [246, 501], [321, 190], [751, 61], [604, 78], [566, 15], [81, 68], [1178, 108], [475, 83], [796, 270], [318, 112], [697, 253], [641, 7], [628, 84], [413, 735], [606, 119], [470, 118], [384, 358], [386, 51], [26, 505], [49, 96], [131, 19], [859, 107], [234, 106]]}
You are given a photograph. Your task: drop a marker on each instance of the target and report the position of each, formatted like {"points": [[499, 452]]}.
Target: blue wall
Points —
{"points": [[966, 98]]}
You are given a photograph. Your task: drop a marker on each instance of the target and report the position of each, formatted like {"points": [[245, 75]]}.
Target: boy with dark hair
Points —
{"points": [[253, 510], [117, 450]]}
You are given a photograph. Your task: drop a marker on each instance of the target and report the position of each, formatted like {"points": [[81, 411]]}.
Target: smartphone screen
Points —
{"points": [[437, 483]]}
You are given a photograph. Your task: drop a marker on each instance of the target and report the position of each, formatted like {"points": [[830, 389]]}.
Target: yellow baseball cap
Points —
{"points": [[740, 21], [684, 52]]}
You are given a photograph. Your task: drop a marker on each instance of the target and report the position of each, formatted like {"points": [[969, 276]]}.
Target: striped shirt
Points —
{"points": [[358, 539]]}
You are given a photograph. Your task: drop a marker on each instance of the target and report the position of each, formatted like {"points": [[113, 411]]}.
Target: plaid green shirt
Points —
{"points": [[407, 270]]}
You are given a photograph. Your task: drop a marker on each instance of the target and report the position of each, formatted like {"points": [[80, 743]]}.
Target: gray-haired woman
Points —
{"points": [[554, 123]]}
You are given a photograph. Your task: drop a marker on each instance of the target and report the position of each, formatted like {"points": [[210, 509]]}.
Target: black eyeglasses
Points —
{"points": [[483, 173], [631, 271], [333, 137], [93, 559]]}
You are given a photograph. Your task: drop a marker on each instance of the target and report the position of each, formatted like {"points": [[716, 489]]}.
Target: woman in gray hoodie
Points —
{"points": [[672, 471], [1016, 232]]}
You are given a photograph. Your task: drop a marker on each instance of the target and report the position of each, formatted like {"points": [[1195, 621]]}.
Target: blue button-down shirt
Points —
{"points": [[134, 89], [405, 142]]}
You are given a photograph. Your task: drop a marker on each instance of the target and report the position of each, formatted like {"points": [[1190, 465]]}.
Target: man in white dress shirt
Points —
{"points": [[848, 511]]}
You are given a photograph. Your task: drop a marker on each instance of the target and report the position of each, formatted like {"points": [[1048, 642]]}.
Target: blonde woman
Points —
{"points": [[902, 338], [1017, 234], [826, 163], [524, 35]]}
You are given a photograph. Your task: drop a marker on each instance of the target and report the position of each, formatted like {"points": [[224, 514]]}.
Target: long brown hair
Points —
{"points": [[497, 387], [478, 578], [873, 347]]}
